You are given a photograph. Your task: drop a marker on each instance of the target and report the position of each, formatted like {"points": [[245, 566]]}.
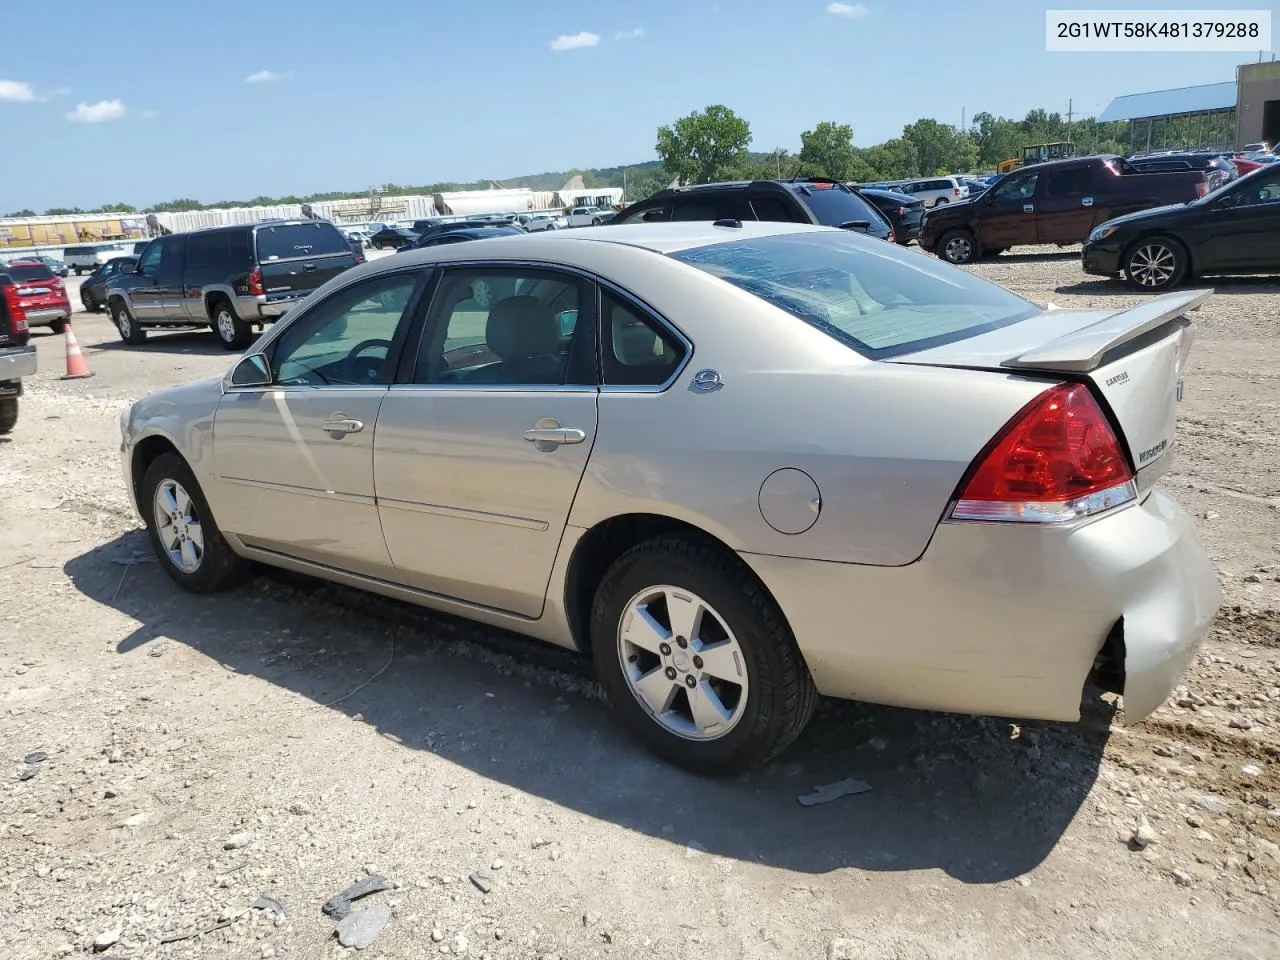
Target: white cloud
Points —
{"points": [[636, 34], [16, 91], [99, 112], [267, 76], [850, 11], [575, 41]]}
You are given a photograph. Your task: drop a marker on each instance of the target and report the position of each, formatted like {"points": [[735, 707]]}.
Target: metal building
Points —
{"points": [[1201, 116]]}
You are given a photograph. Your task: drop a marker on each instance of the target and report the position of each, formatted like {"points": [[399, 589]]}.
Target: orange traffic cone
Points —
{"points": [[77, 368]]}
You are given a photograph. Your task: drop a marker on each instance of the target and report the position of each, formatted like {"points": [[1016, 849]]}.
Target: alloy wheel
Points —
{"points": [[178, 526], [226, 325], [682, 663], [959, 250], [1152, 265]]}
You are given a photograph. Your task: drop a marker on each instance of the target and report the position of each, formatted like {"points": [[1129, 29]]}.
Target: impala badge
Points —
{"points": [[706, 381]]}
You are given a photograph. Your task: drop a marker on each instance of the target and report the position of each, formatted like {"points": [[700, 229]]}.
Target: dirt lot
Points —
{"points": [[286, 739]]}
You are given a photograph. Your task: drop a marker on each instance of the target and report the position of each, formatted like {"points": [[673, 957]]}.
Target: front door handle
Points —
{"points": [[339, 423], [1086, 201], [1028, 208], [556, 435]]}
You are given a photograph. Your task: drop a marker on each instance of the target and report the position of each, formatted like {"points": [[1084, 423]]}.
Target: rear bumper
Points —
{"points": [[17, 362], [256, 309], [44, 316], [1006, 619]]}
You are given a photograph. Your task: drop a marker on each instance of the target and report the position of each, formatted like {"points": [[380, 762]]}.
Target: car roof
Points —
{"points": [[658, 237]]}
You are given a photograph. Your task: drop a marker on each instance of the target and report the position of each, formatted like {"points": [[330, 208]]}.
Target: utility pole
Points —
{"points": [[964, 127], [1070, 114]]}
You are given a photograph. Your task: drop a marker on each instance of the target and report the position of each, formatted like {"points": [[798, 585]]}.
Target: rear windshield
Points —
{"points": [[832, 205], [27, 272], [870, 295], [300, 240]]}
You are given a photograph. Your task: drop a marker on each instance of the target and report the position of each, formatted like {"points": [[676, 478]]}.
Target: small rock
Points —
{"points": [[137, 820], [38, 756], [267, 952], [846, 950], [481, 882], [299, 809], [64, 950], [1143, 833], [359, 928], [590, 919], [238, 841], [496, 865], [1181, 877], [459, 944], [1210, 803], [1241, 723], [1252, 769], [539, 842], [1100, 926], [1252, 578], [110, 793], [1023, 881], [555, 854], [1211, 515], [107, 938], [1169, 749], [115, 755], [437, 935]]}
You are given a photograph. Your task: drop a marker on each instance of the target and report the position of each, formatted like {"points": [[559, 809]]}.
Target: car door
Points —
{"points": [[477, 458], [294, 459], [1241, 230], [173, 262], [144, 292], [1064, 209], [1006, 218]]}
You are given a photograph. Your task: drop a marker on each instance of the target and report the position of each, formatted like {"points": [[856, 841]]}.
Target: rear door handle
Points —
{"points": [[555, 435], [1028, 208], [1086, 201], [338, 423]]}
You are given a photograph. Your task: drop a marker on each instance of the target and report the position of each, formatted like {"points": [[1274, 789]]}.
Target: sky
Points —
{"points": [[160, 100]]}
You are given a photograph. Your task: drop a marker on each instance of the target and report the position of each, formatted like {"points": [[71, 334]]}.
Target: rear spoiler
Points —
{"points": [[1083, 349]]}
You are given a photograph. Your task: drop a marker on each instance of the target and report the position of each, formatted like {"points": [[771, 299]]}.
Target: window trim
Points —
{"points": [[409, 320], [407, 367]]}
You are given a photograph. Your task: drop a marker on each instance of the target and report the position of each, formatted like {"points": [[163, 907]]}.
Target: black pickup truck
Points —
{"points": [[1058, 202], [17, 357]]}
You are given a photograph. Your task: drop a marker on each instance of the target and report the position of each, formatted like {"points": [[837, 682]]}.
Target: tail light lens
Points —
{"points": [[956, 191], [17, 316], [1057, 460], [1202, 188], [255, 282]]}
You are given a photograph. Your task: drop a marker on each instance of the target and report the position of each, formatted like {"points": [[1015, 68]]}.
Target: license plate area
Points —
{"points": [[33, 291]]}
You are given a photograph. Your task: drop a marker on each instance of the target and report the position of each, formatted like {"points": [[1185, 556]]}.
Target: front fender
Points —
{"points": [[181, 418]]}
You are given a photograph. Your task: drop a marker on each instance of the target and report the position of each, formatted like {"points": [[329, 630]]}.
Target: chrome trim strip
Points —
{"points": [[459, 513], [302, 491]]}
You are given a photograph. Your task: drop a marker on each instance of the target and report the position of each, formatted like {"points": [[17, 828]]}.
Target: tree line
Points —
{"points": [[712, 144]]}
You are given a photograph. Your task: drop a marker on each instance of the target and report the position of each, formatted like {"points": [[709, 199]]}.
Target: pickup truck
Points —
{"points": [[1058, 202], [17, 357], [587, 216]]}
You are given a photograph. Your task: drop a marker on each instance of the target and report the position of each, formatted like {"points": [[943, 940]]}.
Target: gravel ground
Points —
{"points": [[169, 760]]}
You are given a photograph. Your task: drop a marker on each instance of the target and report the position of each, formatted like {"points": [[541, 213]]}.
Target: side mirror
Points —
{"points": [[251, 371]]}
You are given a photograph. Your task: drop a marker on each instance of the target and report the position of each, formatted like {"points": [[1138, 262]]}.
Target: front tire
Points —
{"points": [[1155, 263], [8, 414], [233, 332], [130, 332], [958, 247], [186, 540], [697, 658], [58, 326]]}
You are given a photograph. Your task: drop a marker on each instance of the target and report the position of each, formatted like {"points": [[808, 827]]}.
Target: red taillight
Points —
{"points": [[17, 316], [1057, 460], [1202, 188], [255, 282], [902, 211], [956, 191]]}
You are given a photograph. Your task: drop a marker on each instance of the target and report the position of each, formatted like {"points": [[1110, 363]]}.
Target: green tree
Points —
{"points": [[894, 159], [185, 205], [21, 213], [704, 146], [940, 147], [62, 211], [827, 150], [115, 208], [997, 138]]}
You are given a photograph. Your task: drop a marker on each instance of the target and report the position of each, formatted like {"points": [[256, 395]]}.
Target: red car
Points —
{"points": [[1244, 164], [41, 295]]}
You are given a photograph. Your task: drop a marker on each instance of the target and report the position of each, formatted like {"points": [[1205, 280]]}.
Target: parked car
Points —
{"points": [[547, 220], [41, 295], [58, 268], [394, 237], [357, 249], [462, 235], [453, 226], [671, 478], [813, 200], [228, 278], [1235, 229], [1217, 170], [932, 191], [93, 289], [17, 356], [904, 213], [87, 257], [1056, 202], [587, 216]]}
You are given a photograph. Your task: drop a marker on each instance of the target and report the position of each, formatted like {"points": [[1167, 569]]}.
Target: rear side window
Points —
{"points": [[870, 296], [772, 209], [28, 272], [730, 205], [294, 240], [637, 350], [655, 214], [832, 205], [1069, 182], [206, 250]]}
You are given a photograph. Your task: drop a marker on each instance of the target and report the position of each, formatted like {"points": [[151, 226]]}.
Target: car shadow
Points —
{"points": [[194, 342], [1032, 257], [1229, 286], [979, 798]]}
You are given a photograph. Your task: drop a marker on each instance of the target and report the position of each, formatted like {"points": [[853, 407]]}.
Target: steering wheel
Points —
{"points": [[349, 371]]}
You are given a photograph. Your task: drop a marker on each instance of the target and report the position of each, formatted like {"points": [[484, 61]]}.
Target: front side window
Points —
{"points": [[876, 299], [149, 263], [503, 326], [1017, 189], [346, 340], [1258, 190]]}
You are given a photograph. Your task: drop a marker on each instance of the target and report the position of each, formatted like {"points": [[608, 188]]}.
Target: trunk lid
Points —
{"points": [[296, 258], [1132, 358]]}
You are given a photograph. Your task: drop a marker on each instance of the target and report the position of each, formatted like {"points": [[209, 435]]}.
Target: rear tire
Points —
{"points": [[58, 326], [753, 682], [233, 333], [958, 246], [190, 548], [1155, 264], [130, 332], [8, 414]]}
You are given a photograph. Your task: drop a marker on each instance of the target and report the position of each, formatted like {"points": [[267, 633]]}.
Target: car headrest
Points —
{"points": [[520, 327]]}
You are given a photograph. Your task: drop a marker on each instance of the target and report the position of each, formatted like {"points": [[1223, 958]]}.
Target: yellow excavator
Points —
{"points": [[1038, 153]]}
